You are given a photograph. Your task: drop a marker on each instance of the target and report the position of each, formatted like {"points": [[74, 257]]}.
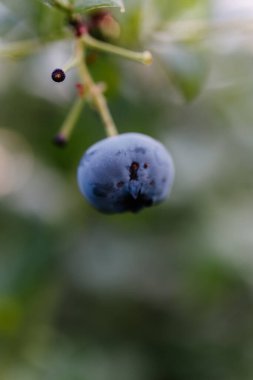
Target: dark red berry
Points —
{"points": [[97, 17], [58, 75], [103, 26]]}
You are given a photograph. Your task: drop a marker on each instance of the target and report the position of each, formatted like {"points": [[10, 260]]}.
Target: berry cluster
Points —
{"points": [[124, 172]]}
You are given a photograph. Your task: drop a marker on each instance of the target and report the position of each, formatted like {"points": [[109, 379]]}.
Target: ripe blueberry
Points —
{"points": [[126, 172]]}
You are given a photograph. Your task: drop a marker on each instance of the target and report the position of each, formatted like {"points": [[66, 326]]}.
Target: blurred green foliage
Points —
{"points": [[162, 295]]}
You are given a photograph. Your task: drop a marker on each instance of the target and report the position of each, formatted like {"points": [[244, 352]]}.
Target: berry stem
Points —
{"points": [[142, 57], [71, 119], [95, 92], [70, 64]]}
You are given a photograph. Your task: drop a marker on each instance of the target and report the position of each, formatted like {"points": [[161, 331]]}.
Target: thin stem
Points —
{"points": [[96, 93], [71, 119], [142, 57], [70, 64]]}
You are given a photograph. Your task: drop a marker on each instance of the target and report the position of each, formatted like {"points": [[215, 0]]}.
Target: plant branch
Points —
{"points": [[95, 92], [70, 120], [70, 64], [143, 57]]}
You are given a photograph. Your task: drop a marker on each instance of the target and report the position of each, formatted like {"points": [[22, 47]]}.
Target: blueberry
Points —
{"points": [[126, 172]]}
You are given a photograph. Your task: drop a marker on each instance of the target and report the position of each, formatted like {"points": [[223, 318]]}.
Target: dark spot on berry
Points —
{"points": [[102, 190], [152, 183], [118, 153], [136, 204], [89, 154], [58, 75], [133, 171], [120, 184], [139, 149], [145, 165]]}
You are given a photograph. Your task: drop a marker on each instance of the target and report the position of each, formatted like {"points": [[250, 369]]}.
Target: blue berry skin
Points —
{"points": [[126, 172]]}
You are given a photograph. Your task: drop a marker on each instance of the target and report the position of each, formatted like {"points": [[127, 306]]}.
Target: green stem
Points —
{"points": [[70, 64], [142, 57], [71, 119], [95, 93]]}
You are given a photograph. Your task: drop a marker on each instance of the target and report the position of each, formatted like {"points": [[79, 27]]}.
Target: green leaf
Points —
{"points": [[87, 5], [187, 69]]}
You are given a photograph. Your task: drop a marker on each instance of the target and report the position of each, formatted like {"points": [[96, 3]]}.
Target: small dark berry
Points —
{"points": [[60, 140], [58, 75]]}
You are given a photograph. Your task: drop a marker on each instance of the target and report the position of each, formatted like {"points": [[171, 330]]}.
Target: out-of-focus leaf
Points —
{"points": [[84, 6], [45, 22], [131, 24], [53, 2], [11, 312], [169, 9], [8, 19], [186, 68]]}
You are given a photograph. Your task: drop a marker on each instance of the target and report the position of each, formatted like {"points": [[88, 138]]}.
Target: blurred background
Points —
{"points": [[166, 294]]}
